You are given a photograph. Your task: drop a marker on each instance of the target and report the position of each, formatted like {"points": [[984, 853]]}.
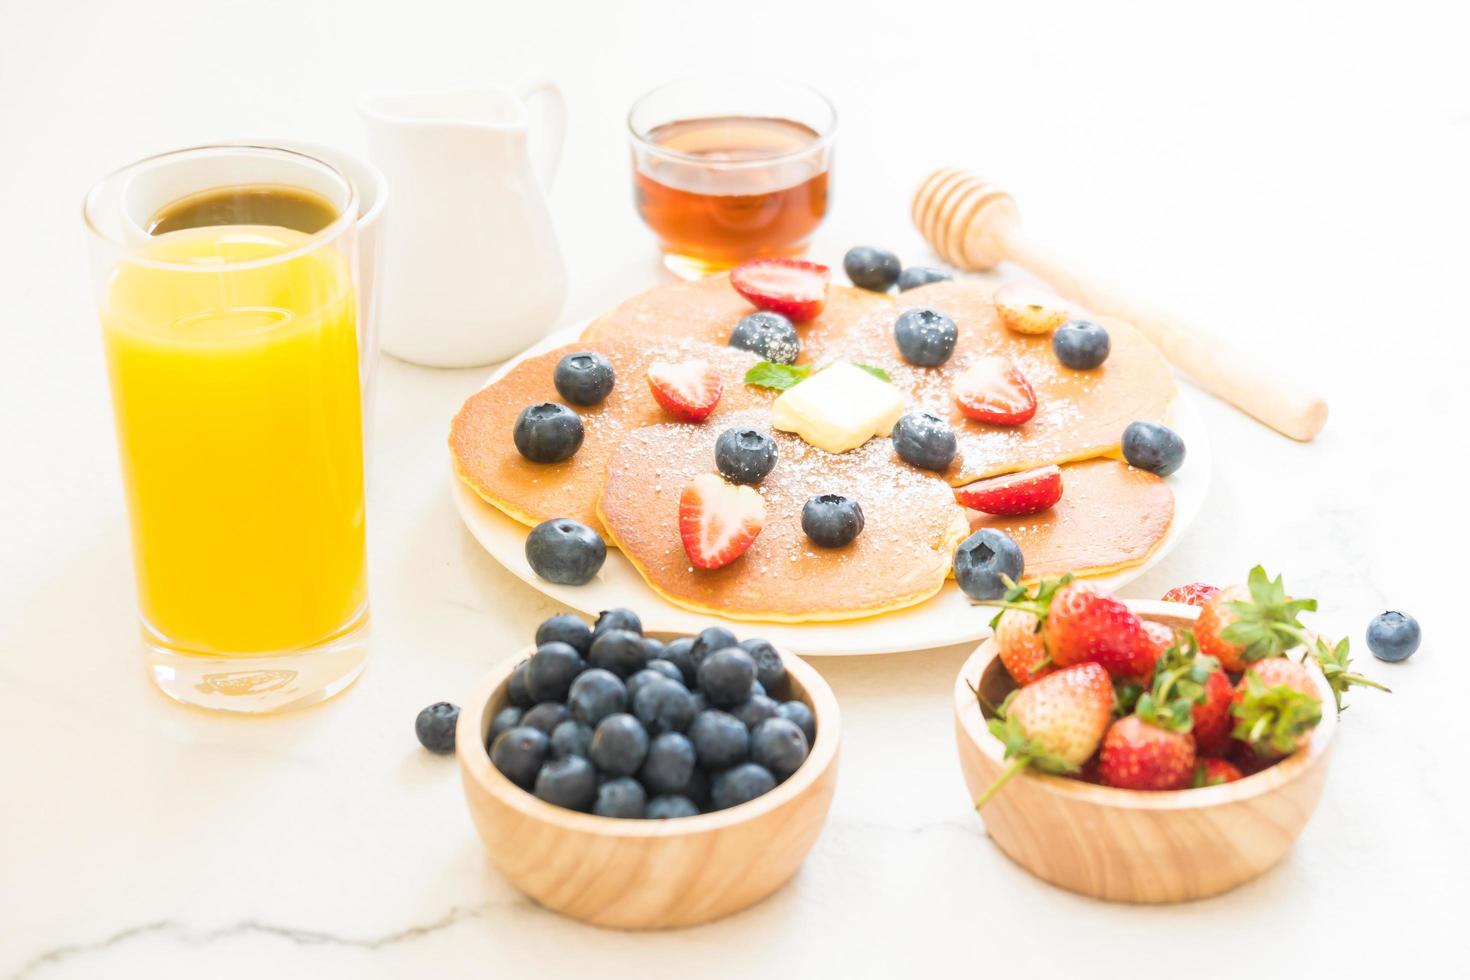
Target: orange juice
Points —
{"points": [[234, 364]]}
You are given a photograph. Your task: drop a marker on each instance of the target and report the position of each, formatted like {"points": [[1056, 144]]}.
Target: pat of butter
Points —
{"points": [[838, 408]]}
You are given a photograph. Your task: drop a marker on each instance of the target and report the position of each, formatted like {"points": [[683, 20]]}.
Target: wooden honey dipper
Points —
{"points": [[973, 225]]}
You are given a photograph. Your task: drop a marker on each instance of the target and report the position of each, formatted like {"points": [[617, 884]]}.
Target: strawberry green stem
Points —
{"points": [[1021, 763]]}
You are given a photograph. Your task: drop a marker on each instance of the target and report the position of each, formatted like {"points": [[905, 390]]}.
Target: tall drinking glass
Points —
{"points": [[225, 281]]}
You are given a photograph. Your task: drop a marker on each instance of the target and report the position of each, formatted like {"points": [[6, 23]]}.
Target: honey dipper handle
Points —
{"points": [[1222, 370]]}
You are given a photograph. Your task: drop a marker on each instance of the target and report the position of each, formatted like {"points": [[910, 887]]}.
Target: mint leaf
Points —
{"points": [[876, 372], [778, 377]]}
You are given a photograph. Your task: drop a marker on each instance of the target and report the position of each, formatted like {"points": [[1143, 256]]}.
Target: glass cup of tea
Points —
{"points": [[731, 167], [226, 285]]}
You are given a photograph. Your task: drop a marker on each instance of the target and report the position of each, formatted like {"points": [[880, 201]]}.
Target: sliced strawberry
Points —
{"points": [[718, 521], [688, 390], [791, 287], [993, 390], [1026, 307], [1014, 494]]}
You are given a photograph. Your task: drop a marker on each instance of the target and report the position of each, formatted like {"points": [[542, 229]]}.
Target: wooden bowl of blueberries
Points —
{"points": [[648, 781]]}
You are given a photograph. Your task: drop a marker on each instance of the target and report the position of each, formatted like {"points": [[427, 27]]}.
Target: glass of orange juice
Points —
{"points": [[225, 280]]}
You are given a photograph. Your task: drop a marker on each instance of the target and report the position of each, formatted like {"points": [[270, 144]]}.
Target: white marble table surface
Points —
{"points": [[1295, 172]]}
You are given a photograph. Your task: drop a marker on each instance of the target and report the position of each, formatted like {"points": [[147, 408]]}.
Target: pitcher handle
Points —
{"points": [[551, 126]]}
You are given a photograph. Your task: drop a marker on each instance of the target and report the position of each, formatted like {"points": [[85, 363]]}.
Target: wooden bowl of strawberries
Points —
{"points": [[1148, 751]]}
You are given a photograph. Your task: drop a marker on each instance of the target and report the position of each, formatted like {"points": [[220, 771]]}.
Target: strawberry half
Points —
{"points": [[718, 521], [994, 390], [1014, 494], [1029, 308], [688, 390], [791, 287]]}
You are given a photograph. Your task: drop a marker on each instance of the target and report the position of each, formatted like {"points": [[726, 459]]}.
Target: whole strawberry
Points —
{"points": [[1084, 624], [1054, 724], [1138, 755], [1214, 772], [1186, 680], [1018, 639], [1246, 623], [1277, 705], [1212, 718], [1193, 594]]}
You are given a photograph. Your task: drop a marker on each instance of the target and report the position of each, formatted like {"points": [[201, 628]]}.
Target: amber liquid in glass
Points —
{"points": [[739, 187]]}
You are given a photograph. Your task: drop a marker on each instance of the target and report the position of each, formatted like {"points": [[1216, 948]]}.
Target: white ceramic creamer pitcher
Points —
{"points": [[472, 273]]}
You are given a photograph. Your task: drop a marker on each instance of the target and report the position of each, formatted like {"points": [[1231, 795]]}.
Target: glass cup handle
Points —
{"points": [[550, 127]]}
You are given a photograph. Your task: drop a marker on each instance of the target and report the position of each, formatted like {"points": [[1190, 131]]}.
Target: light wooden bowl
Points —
{"points": [[648, 874], [1132, 846]]}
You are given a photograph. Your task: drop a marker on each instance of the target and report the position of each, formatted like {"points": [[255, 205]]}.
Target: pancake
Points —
{"points": [[487, 461], [1111, 516], [1080, 414], [708, 310], [902, 557]]}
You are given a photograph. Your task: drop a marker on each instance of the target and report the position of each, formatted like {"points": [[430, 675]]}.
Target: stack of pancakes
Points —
{"points": [[635, 460]]}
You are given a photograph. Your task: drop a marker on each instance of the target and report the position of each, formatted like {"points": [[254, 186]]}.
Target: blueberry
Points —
{"points": [[670, 807], [801, 715], [831, 520], [619, 744], [564, 551], [505, 719], [435, 726], [569, 782], [1153, 447], [547, 433], [871, 268], [720, 740], [920, 275], [745, 455], [770, 670], [770, 335], [756, 687], [617, 619], [982, 559], [779, 745], [664, 706], [925, 441], [583, 378], [636, 683], [595, 694], [667, 668], [518, 754], [925, 337], [669, 765], [755, 710], [570, 738], [680, 653], [623, 798], [700, 702], [740, 784], [620, 651], [697, 789], [707, 641], [1393, 636], [551, 670], [653, 648], [546, 716], [516, 689], [568, 629], [1080, 344], [725, 677]]}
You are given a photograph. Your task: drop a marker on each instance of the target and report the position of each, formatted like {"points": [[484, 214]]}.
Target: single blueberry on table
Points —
{"points": [[516, 689], [595, 694], [669, 808], [663, 705], [798, 713], [622, 798], [620, 651], [745, 455], [832, 520], [984, 560], [505, 719], [1153, 447], [547, 433], [435, 727], [779, 745], [667, 668], [619, 745], [1081, 344], [740, 784], [618, 619], [583, 378], [871, 268], [669, 764], [565, 552], [770, 670], [571, 737], [925, 441], [769, 335], [720, 740], [546, 716], [680, 653], [568, 629], [518, 754], [551, 670], [707, 641], [725, 677], [756, 710], [1393, 636], [925, 337], [570, 782], [920, 275]]}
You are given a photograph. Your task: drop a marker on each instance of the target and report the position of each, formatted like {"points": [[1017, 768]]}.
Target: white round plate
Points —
{"points": [[945, 619]]}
